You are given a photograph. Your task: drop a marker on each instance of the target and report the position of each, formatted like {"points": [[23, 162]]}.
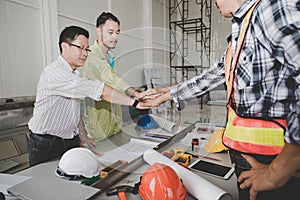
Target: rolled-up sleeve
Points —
{"points": [[70, 85], [89, 88]]}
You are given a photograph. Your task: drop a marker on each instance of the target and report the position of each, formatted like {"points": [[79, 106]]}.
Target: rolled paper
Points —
{"points": [[165, 124]]}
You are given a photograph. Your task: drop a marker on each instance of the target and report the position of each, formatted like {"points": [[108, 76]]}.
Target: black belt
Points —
{"points": [[241, 162], [49, 137]]}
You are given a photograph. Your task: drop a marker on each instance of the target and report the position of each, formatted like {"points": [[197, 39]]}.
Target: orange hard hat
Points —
{"points": [[160, 181]]}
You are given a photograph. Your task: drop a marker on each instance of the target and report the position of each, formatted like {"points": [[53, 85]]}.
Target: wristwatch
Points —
{"points": [[135, 103]]}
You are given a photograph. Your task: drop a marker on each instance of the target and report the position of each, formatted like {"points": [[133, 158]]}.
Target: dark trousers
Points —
{"points": [[46, 147], [289, 191]]}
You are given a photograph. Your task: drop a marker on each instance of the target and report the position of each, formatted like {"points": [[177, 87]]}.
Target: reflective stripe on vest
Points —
{"points": [[254, 135], [228, 63], [248, 135], [242, 35]]}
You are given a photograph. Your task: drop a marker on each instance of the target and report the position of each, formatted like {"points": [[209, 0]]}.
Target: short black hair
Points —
{"points": [[106, 16], [70, 33]]}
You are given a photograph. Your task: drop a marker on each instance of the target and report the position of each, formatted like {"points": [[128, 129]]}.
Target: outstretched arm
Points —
{"points": [[113, 96], [132, 92], [155, 102], [152, 93]]}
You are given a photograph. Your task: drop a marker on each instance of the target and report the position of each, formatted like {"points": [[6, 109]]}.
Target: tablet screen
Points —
{"points": [[211, 168]]}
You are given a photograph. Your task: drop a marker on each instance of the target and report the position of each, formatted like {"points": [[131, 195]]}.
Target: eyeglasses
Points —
{"points": [[79, 47]]}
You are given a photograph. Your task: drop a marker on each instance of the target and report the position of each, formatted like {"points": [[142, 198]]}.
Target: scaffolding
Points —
{"points": [[184, 31]]}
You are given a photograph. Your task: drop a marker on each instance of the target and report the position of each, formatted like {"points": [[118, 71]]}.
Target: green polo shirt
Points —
{"points": [[102, 119]]}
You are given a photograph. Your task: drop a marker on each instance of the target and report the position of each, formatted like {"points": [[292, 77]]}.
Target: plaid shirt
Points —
{"points": [[267, 76]]}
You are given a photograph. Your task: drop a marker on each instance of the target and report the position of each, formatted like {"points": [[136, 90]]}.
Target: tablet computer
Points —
{"points": [[211, 168]]}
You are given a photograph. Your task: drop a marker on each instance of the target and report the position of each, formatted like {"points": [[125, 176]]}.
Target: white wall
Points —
{"points": [[130, 49], [221, 28], [23, 50], [30, 29]]}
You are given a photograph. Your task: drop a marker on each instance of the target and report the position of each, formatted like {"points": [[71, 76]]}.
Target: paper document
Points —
{"points": [[165, 130], [158, 134], [129, 151]]}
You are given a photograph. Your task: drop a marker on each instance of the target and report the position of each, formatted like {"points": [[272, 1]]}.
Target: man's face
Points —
{"points": [[225, 7], [109, 34], [76, 51]]}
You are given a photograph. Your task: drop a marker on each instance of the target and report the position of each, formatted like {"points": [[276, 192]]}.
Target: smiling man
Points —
{"points": [[55, 125], [103, 119]]}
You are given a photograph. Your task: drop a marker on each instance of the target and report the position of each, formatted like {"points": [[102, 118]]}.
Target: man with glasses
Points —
{"points": [[55, 126], [103, 119]]}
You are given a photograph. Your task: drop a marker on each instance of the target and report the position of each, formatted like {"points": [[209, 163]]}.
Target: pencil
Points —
{"points": [[209, 158]]}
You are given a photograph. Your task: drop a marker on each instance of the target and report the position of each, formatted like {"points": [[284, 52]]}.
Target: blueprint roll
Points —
{"points": [[197, 186], [165, 124]]}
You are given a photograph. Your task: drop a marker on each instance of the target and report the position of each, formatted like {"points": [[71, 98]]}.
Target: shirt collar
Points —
{"points": [[99, 51], [243, 9], [65, 65]]}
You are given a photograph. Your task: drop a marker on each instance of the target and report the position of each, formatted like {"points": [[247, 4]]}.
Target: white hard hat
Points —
{"points": [[78, 162]]}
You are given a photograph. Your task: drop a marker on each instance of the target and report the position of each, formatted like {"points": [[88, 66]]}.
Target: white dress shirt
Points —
{"points": [[57, 106]]}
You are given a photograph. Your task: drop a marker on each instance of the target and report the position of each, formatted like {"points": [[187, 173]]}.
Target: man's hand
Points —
{"points": [[152, 93], [85, 140], [132, 92], [155, 102], [259, 178]]}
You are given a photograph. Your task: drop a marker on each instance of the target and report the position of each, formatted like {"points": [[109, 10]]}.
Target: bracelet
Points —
{"points": [[135, 103]]}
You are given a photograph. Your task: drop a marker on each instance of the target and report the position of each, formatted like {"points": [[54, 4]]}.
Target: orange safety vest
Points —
{"points": [[227, 62], [249, 135]]}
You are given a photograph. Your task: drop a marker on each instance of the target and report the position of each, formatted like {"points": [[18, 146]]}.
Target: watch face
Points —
{"points": [[135, 103]]}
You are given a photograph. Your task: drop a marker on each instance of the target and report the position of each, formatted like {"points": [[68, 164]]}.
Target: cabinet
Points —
{"points": [[14, 116], [14, 149]]}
